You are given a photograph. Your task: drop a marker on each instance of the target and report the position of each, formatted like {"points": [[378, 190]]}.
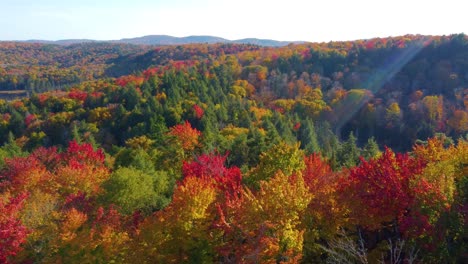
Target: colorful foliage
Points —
{"points": [[186, 136], [12, 232], [162, 193]]}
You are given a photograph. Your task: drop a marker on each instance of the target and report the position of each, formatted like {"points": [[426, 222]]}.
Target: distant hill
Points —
{"points": [[266, 42], [170, 40], [160, 40], [62, 41]]}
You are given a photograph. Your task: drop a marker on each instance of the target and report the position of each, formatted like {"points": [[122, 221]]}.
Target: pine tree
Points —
{"points": [[75, 133], [239, 154], [256, 143], [308, 137], [284, 129], [272, 135], [371, 149], [328, 141], [10, 149], [348, 154]]}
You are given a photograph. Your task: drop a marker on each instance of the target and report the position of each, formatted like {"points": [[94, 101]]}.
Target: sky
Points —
{"points": [[289, 20]]}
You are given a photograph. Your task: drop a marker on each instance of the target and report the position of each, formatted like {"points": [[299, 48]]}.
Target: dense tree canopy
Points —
{"points": [[232, 153]]}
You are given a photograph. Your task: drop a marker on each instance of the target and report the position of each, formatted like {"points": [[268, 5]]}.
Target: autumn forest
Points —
{"points": [[338, 152]]}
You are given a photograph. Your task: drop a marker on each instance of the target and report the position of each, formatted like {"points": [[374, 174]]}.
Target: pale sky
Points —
{"points": [[311, 20]]}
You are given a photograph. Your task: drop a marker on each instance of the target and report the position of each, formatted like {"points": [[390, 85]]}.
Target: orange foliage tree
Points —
{"points": [[186, 136]]}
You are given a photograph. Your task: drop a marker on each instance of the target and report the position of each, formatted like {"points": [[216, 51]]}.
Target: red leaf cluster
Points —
{"points": [[198, 111], [78, 155], [124, 80], [29, 119], [212, 166], [384, 190], [78, 95], [12, 232]]}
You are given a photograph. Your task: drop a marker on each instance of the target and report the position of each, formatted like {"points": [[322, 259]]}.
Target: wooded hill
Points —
{"points": [[234, 153], [396, 90]]}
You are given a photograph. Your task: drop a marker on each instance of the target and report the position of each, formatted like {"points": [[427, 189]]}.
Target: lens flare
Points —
{"points": [[384, 73]]}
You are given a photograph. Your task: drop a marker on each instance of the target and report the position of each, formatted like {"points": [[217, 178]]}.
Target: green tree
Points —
{"points": [[10, 149], [280, 157], [308, 137], [371, 149], [75, 134], [131, 97], [348, 154], [132, 189], [284, 128], [328, 141], [239, 154], [272, 135], [137, 158], [257, 144]]}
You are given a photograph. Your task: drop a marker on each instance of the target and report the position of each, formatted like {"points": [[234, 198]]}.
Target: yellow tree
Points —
{"points": [[94, 237], [459, 121], [181, 231], [444, 166], [447, 170], [266, 226], [434, 107], [281, 157], [393, 114]]}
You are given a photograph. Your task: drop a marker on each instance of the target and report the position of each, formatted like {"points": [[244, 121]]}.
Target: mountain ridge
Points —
{"points": [[162, 40]]}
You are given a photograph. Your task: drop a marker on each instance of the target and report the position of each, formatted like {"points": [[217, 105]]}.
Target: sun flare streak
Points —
{"points": [[384, 73]]}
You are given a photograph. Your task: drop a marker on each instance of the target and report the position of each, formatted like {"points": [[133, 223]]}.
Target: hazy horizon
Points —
{"points": [[253, 37], [294, 20]]}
